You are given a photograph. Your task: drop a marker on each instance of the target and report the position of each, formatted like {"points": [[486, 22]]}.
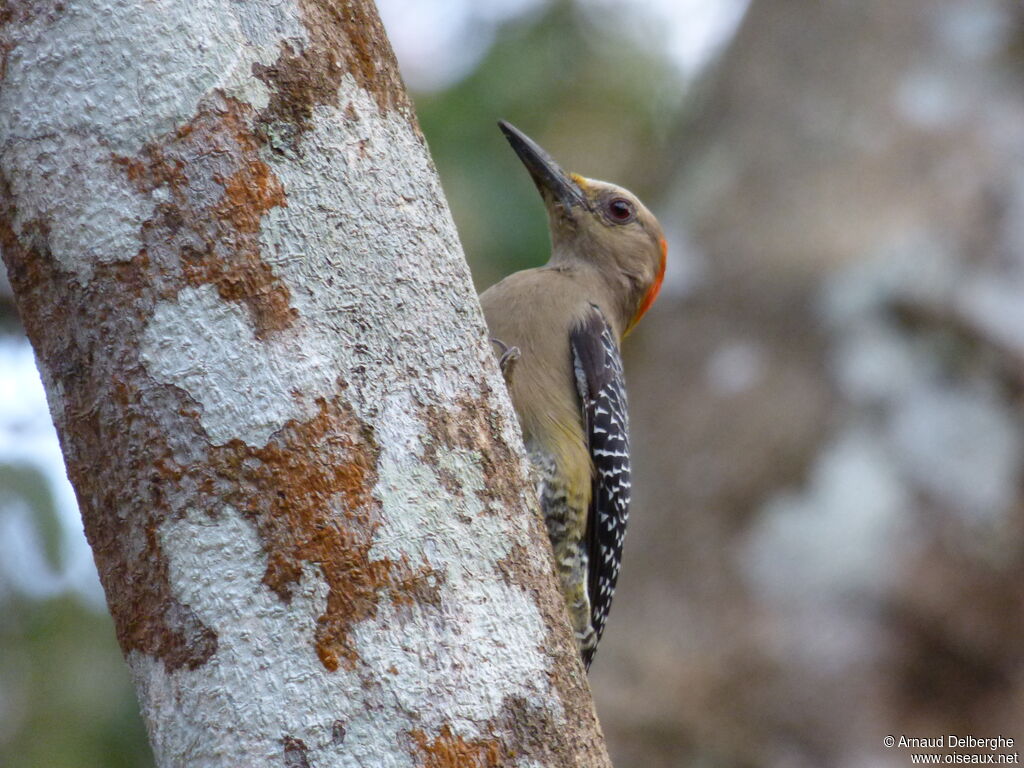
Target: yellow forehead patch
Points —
{"points": [[580, 180]]}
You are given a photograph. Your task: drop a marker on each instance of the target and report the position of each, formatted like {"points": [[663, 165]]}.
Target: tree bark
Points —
{"points": [[295, 460]]}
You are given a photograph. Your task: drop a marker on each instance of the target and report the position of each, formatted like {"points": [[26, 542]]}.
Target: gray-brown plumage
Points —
{"points": [[562, 324]]}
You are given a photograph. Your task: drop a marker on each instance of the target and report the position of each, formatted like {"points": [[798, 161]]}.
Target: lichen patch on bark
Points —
{"points": [[340, 42], [15, 13], [519, 728], [308, 492], [471, 426], [87, 80], [296, 753], [213, 189], [448, 750], [532, 730]]}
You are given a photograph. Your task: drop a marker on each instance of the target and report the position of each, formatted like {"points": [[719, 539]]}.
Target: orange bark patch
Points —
{"points": [[215, 190], [472, 426], [343, 38], [511, 566], [296, 753], [248, 194], [451, 751], [308, 491]]}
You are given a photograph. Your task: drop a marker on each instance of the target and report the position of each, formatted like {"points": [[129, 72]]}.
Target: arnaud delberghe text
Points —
{"points": [[952, 741]]}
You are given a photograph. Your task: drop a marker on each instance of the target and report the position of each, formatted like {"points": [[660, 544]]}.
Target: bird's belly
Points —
{"points": [[564, 507], [565, 516]]}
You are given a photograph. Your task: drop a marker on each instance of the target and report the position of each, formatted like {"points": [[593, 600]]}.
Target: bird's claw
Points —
{"points": [[508, 359]]}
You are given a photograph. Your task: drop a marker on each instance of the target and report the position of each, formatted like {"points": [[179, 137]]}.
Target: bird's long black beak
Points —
{"points": [[547, 174]]}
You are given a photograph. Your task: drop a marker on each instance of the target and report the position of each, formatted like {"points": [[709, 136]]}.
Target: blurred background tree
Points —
{"points": [[827, 543]]}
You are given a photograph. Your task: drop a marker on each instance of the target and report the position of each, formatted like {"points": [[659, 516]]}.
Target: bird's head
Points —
{"points": [[600, 224]]}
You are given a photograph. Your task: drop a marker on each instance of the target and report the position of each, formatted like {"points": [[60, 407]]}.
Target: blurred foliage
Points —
{"points": [[26, 484], [65, 695]]}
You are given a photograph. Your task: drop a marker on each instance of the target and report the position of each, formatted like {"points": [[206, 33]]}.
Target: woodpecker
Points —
{"points": [[559, 328]]}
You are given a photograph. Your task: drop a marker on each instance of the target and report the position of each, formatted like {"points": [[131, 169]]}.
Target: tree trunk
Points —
{"points": [[295, 460]]}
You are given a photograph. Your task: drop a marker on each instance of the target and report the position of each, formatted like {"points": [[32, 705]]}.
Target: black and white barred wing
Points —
{"points": [[599, 379]]}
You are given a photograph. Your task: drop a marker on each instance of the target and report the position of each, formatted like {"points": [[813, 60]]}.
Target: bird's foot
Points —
{"points": [[508, 359]]}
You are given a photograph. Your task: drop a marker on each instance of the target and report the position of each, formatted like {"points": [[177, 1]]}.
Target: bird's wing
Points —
{"points": [[598, 368]]}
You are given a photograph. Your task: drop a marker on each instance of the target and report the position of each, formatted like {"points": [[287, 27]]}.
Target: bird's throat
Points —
{"points": [[652, 292]]}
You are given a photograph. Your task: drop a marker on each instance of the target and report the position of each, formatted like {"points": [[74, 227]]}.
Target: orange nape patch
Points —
{"points": [[655, 288]]}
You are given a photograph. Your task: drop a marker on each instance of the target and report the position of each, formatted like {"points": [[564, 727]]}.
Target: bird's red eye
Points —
{"points": [[620, 210]]}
